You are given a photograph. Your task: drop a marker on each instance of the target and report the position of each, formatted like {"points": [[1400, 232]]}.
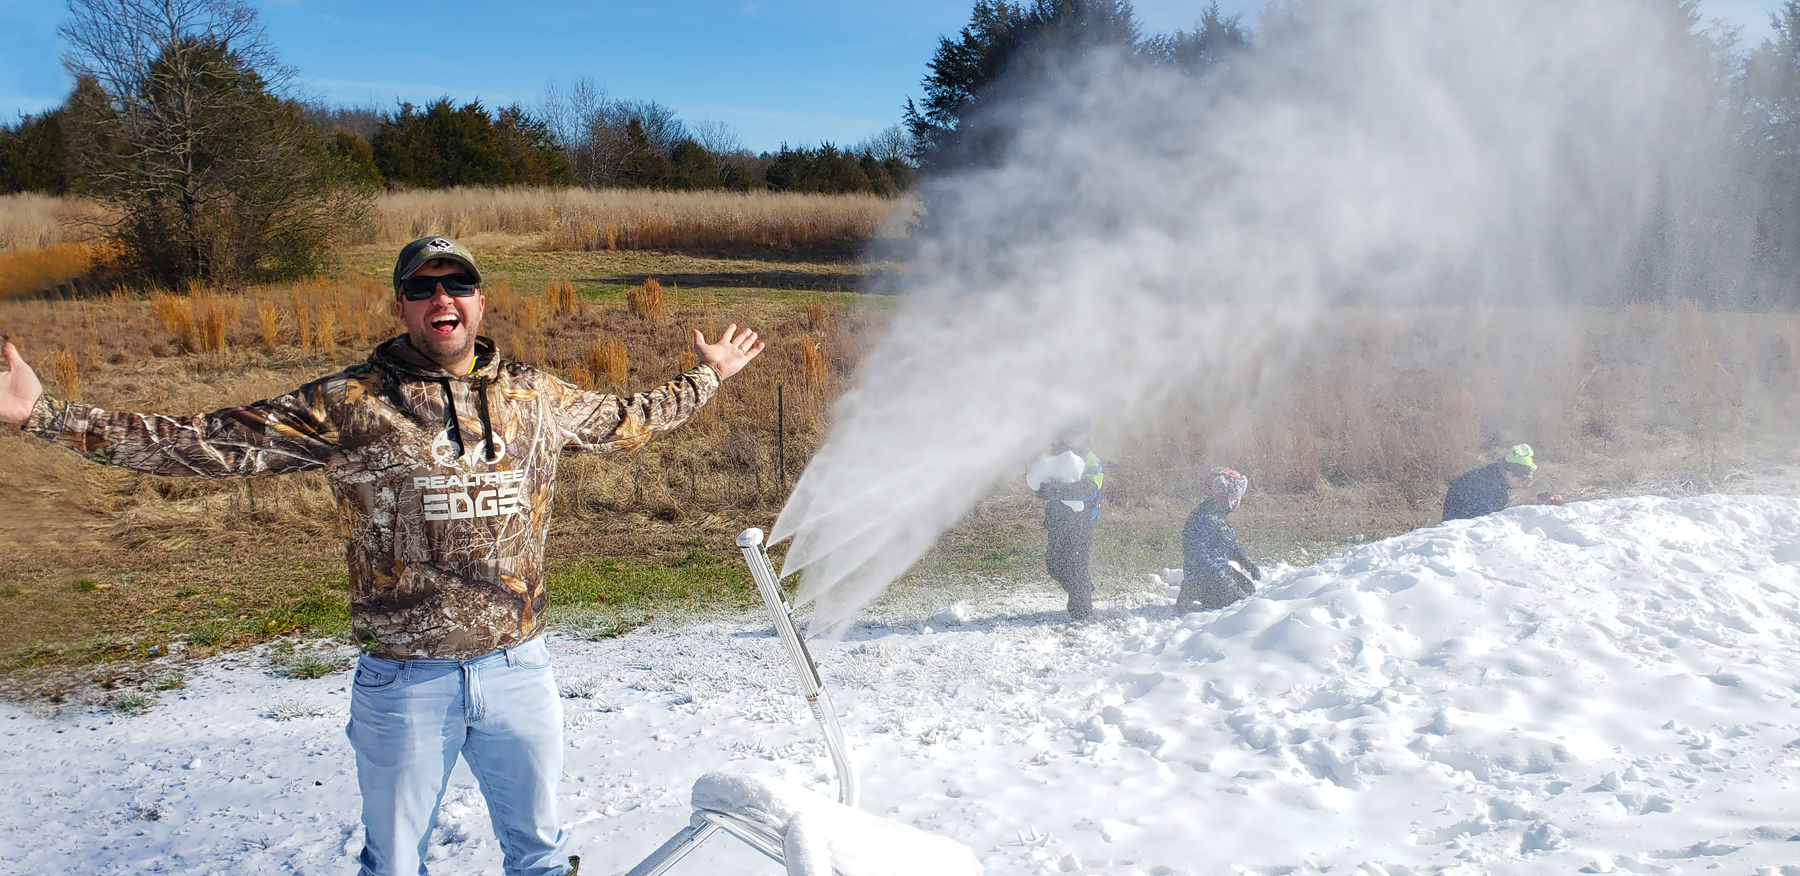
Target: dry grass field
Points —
{"points": [[1348, 430], [632, 219]]}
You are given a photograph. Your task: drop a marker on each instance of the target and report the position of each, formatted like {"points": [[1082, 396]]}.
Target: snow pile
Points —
{"points": [[823, 836], [1605, 687]]}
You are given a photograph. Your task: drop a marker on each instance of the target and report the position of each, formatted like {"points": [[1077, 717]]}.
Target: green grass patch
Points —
{"points": [[207, 634], [174, 679], [321, 610], [133, 704], [85, 585], [288, 661], [10, 591], [607, 596]]}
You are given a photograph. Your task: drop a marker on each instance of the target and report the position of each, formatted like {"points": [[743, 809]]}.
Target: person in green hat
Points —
{"points": [[1489, 488], [441, 454], [1071, 506]]}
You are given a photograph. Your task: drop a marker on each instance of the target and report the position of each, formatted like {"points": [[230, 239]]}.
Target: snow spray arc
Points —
{"points": [[1148, 236]]}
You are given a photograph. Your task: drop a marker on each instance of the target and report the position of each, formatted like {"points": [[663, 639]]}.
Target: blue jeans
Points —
{"points": [[409, 719]]}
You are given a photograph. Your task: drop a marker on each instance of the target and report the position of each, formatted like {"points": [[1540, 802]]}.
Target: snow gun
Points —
{"points": [[741, 805], [811, 685]]}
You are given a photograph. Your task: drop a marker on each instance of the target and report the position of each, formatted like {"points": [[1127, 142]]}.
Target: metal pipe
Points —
{"points": [[678, 846], [811, 685]]}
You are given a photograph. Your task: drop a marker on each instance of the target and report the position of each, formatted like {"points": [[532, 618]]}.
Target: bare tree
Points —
{"points": [[892, 142], [591, 127], [716, 137], [179, 120]]}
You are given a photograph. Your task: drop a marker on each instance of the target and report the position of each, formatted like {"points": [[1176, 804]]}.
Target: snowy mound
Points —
{"points": [[1545, 687], [823, 837], [1605, 687]]}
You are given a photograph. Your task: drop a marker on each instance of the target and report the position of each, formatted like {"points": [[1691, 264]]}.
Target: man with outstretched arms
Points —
{"points": [[441, 456]]}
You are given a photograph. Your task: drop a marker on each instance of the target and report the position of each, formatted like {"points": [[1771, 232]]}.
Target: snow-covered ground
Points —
{"points": [[1605, 687]]}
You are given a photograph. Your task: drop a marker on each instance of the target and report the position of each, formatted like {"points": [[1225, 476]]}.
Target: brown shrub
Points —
{"points": [[562, 298], [64, 374], [608, 359], [648, 300], [325, 332], [815, 315], [814, 368], [268, 319], [177, 315]]}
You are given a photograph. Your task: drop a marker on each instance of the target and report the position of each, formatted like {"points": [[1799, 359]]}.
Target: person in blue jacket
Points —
{"points": [[1069, 514], [1209, 546], [1489, 488]]}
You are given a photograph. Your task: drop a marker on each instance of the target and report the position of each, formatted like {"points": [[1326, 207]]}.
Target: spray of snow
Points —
{"points": [[1147, 232]]}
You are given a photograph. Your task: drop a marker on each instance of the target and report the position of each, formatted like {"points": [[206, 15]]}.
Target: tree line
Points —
{"points": [[442, 144]]}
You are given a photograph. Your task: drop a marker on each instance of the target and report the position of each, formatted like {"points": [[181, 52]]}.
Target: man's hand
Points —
{"points": [[733, 351], [19, 388]]}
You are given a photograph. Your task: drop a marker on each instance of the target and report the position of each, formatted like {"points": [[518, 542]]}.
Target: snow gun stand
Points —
{"points": [[805, 832]]}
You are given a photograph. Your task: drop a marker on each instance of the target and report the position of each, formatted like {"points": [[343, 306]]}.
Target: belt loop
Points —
{"points": [[406, 670], [509, 657]]}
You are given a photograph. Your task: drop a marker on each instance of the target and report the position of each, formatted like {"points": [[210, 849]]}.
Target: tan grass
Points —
{"points": [[610, 219], [268, 319], [814, 367], [23, 272], [64, 374], [648, 300], [177, 316], [562, 298], [32, 221], [609, 359]]}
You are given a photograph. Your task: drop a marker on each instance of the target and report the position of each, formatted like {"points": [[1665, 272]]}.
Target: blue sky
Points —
{"points": [[796, 71]]}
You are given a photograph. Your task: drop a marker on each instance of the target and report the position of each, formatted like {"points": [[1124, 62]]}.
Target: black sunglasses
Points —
{"points": [[424, 288]]}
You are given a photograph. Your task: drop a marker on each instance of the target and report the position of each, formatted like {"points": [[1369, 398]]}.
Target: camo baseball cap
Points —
{"points": [[413, 256]]}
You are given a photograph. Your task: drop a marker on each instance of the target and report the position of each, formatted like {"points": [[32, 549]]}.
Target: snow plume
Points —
{"points": [[1146, 231]]}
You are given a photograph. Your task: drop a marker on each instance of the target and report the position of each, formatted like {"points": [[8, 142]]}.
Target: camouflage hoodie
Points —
{"points": [[442, 482]]}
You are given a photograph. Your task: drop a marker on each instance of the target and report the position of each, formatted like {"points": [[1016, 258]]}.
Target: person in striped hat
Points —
{"points": [[1209, 547]]}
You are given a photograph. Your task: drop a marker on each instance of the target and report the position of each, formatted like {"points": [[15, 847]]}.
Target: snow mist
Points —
{"points": [[1146, 230]]}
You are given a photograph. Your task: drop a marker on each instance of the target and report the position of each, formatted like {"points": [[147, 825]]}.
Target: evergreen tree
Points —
{"points": [[441, 147], [645, 166], [357, 159], [33, 155], [530, 149], [1005, 51], [1214, 38], [692, 167]]}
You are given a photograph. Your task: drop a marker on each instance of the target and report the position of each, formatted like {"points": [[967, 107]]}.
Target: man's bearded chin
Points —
{"points": [[440, 354]]}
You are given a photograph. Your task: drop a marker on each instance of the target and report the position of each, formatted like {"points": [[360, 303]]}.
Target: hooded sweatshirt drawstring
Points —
{"points": [[450, 413], [487, 424]]}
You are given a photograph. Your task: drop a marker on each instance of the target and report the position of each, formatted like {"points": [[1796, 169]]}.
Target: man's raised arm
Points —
{"points": [[276, 436], [593, 421]]}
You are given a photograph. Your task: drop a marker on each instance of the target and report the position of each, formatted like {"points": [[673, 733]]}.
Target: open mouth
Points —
{"points": [[444, 324]]}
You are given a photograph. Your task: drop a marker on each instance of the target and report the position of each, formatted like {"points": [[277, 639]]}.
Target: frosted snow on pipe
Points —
{"points": [[811, 684]]}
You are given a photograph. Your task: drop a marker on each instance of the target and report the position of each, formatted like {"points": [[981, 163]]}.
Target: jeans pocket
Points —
{"points": [[532, 655], [375, 674]]}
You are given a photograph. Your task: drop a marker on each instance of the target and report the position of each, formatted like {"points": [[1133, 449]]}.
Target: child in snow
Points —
{"points": [[1209, 545], [1070, 510], [1489, 488]]}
